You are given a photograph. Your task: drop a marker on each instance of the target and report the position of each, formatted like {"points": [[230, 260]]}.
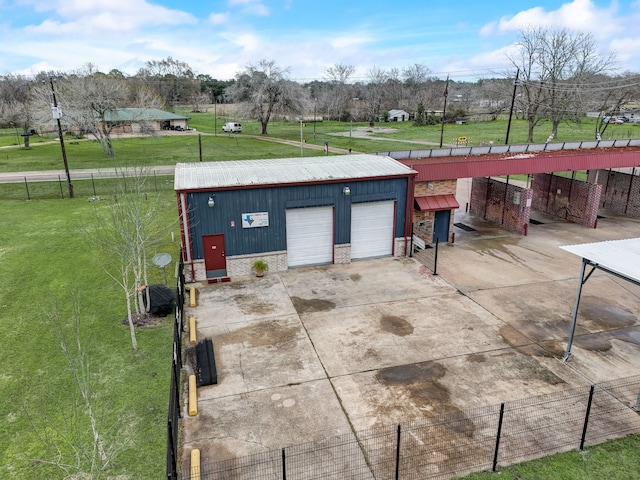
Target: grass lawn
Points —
{"points": [[476, 132], [614, 460], [45, 261], [192, 147]]}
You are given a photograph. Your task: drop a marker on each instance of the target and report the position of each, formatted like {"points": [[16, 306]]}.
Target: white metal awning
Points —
{"points": [[617, 257], [621, 257]]}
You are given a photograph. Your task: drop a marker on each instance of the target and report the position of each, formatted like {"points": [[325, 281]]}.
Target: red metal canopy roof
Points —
{"points": [[448, 168], [437, 202]]}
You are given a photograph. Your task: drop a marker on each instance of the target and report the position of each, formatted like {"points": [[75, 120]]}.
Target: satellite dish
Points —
{"points": [[162, 260]]}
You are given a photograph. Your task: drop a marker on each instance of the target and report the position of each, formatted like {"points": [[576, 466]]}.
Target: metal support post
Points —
{"points": [[574, 316], [495, 453]]}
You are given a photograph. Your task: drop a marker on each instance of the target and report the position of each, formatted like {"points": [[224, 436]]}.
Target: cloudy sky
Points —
{"points": [[467, 39]]}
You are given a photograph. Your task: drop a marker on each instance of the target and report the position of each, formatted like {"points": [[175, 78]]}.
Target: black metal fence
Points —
{"points": [[174, 414], [87, 188], [454, 444], [428, 256]]}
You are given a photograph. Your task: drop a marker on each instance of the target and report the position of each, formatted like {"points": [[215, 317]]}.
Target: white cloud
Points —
{"points": [[251, 7], [247, 42], [101, 16], [580, 15], [218, 18], [350, 40]]}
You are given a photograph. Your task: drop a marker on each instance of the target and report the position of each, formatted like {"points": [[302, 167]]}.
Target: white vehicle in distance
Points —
{"points": [[232, 127]]}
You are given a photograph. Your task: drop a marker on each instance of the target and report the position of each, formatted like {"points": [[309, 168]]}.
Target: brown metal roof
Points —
{"points": [[437, 202], [447, 168]]}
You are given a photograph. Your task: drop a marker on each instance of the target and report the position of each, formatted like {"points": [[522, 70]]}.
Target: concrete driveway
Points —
{"points": [[321, 351]]}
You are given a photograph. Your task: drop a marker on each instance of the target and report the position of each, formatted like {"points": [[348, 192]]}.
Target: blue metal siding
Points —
{"points": [[231, 204]]}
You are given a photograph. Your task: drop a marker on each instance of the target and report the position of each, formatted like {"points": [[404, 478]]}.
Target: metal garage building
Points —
{"points": [[291, 212]]}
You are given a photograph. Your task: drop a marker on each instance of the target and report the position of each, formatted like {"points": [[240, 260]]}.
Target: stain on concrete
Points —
{"points": [[593, 343], [420, 382], [540, 330], [265, 334], [356, 277], [476, 358], [249, 305], [556, 349], [630, 335], [605, 315], [535, 350], [304, 305], [512, 336], [499, 248], [396, 325]]}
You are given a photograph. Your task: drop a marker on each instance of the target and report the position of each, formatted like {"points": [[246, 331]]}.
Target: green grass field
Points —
{"points": [[614, 460], [46, 261]]}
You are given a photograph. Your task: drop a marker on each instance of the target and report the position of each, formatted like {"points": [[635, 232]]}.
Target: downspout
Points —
{"points": [[185, 230], [409, 213]]}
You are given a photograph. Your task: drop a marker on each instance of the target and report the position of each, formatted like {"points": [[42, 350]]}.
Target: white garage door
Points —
{"points": [[372, 229], [309, 236]]}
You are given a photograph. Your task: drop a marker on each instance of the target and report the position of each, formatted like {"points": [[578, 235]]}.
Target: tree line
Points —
{"points": [[555, 76]]}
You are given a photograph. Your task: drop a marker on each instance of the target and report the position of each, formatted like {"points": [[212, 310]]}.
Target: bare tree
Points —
{"points": [[494, 96], [608, 96], [91, 101], [554, 66], [375, 93], [92, 98], [263, 89], [339, 94], [415, 78], [16, 107], [173, 79], [84, 446], [126, 231]]}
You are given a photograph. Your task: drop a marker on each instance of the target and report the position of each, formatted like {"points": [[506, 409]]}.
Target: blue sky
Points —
{"points": [[468, 39]]}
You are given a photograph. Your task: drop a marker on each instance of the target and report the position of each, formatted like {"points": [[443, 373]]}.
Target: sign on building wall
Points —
{"points": [[257, 219]]}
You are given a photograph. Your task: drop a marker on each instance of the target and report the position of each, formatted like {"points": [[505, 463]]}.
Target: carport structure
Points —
{"points": [[620, 258], [510, 205]]}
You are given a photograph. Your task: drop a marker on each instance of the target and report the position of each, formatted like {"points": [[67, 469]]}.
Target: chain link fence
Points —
{"points": [[454, 444]]}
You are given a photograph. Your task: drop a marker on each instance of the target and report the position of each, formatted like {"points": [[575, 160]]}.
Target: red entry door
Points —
{"points": [[215, 261]]}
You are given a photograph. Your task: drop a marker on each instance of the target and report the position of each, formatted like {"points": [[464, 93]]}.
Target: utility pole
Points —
{"points": [[444, 109], [513, 100], [57, 113], [301, 118]]}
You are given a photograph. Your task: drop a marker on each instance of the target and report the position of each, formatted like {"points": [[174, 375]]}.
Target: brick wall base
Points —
{"points": [[507, 205], [240, 265], [620, 191], [567, 198], [342, 253]]}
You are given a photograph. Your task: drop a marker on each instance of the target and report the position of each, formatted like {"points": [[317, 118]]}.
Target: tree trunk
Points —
{"points": [[532, 124], [132, 327]]}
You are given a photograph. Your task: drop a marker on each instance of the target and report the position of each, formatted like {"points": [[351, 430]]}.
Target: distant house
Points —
{"points": [[139, 120], [398, 116]]}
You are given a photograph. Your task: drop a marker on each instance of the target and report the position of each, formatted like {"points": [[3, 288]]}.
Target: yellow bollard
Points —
{"points": [[193, 396], [192, 330], [192, 296], [194, 474]]}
